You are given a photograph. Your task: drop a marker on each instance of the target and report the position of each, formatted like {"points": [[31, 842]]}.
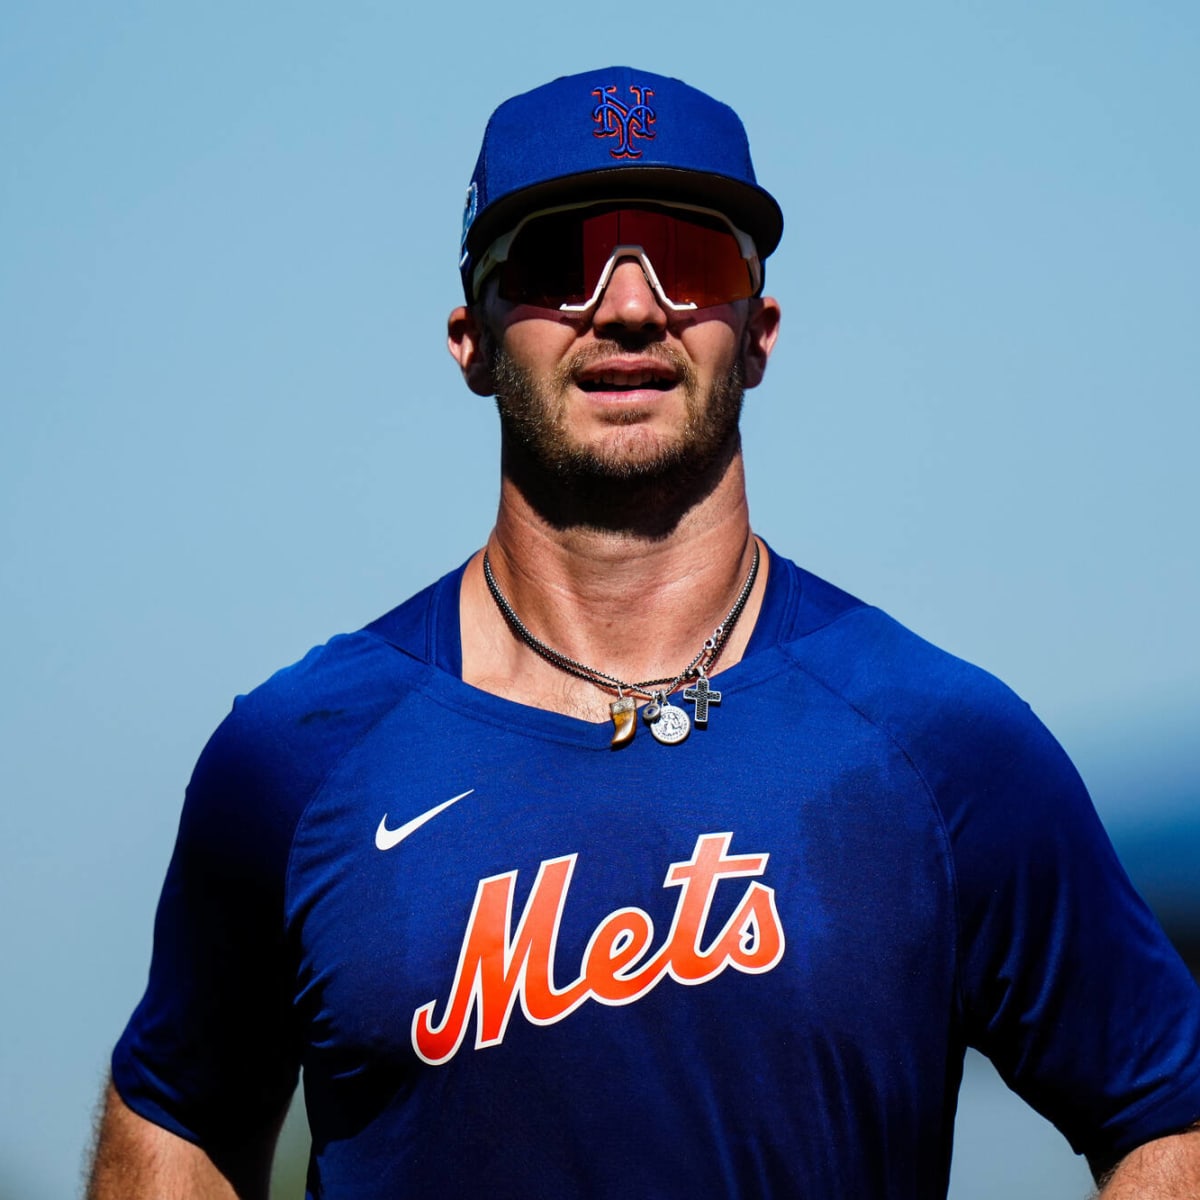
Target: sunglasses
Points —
{"points": [[564, 257]]}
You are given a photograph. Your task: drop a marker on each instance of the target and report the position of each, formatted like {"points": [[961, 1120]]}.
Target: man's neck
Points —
{"points": [[632, 601]]}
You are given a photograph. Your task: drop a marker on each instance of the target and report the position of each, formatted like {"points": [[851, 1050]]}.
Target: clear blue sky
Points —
{"points": [[230, 427]]}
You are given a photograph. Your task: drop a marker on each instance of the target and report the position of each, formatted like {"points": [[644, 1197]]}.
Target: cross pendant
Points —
{"points": [[701, 695]]}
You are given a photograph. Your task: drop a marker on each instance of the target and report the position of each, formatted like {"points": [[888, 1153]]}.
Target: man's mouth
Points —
{"points": [[655, 378]]}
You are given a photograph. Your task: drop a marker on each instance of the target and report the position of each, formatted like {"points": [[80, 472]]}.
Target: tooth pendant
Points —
{"points": [[624, 718]]}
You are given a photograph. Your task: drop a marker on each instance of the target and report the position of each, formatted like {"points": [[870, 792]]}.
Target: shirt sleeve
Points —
{"points": [[1067, 981], [210, 1052]]}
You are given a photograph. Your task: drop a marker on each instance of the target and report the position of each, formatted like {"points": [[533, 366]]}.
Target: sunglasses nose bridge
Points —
{"points": [[619, 255], [629, 289]]}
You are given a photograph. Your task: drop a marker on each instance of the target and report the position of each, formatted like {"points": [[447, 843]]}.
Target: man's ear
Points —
{"points": [[466, 344], [762, 328]]}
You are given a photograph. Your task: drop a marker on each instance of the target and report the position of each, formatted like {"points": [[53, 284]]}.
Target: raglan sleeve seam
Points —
{"points": [[946, 845], [318, 788]]}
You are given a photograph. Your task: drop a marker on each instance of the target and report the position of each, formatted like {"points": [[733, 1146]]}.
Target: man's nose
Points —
{"points": [[629, 301]]}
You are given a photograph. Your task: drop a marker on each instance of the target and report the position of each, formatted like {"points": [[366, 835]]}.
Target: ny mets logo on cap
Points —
{"points": [[616, 120]]}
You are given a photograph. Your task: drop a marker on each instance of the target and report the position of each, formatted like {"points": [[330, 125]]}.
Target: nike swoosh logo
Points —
{"points": [[386, 838]]}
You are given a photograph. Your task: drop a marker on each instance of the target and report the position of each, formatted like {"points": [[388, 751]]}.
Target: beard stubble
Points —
{"points": [[533, 418]]}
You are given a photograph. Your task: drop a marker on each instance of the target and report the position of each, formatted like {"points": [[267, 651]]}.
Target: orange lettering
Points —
{"points": [[491, 972], [494, 970], [699, 879], [620, 940]]}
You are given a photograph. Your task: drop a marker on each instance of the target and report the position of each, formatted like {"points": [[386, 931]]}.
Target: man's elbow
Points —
{"points": [[1167, 1168], [136, 1158]]}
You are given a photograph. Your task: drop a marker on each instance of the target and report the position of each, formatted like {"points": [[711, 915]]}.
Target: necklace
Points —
{"points": [[669, 724]]}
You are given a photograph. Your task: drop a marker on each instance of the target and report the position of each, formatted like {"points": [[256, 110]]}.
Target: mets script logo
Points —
{"points": [[616, 120], [497, 965]]}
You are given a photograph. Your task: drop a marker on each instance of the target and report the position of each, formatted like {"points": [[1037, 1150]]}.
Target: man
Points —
{"points": [[631, 859]]}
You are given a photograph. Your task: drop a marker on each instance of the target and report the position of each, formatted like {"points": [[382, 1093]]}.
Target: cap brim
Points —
{"points": [[749, 207]]}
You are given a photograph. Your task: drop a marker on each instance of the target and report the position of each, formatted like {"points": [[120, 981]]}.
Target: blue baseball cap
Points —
{"points": [[614, 133]]}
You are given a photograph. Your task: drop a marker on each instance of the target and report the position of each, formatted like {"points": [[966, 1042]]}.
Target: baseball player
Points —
{"points": [[630, 858]]}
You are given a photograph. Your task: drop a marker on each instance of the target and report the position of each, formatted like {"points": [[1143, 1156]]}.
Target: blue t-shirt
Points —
{"points": [[513, 961]]}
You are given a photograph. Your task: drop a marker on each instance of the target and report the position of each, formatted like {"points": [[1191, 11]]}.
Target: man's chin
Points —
{"points": [[621, 452], [630, 449], [637, 456]]}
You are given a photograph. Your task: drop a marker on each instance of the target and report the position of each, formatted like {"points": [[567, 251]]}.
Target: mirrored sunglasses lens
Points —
{"points": [[545, 264], [697, 259], [558, 258]]}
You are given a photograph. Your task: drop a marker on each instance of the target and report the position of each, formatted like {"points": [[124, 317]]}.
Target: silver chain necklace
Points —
{"points": [[669, 724]]}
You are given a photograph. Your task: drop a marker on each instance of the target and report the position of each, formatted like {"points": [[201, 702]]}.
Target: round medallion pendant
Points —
{"points": [[672, 725]]}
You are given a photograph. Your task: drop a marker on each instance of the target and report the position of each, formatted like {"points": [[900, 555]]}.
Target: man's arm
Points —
{"points": [[138, 1160], [1165, 1169]]}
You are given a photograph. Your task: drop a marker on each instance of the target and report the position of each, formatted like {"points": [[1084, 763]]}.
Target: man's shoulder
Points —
{"points": [[871, 657], [853, 641], [346, 678], [280, 739], [930, 701], [354, 673]]}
